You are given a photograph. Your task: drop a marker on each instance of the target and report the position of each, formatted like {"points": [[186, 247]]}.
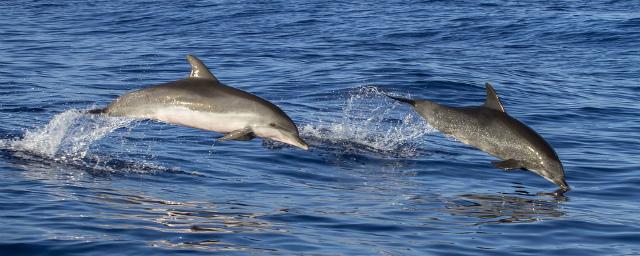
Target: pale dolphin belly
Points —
{"points": [[210, 121]]}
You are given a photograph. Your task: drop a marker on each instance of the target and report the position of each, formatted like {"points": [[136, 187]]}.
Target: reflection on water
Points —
{"points": [[181, 224], [185, 225], [208, 245], [490, 209]]}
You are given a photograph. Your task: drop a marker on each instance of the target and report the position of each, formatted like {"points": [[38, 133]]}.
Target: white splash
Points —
{"points": [[67, 136], [369, 123]]}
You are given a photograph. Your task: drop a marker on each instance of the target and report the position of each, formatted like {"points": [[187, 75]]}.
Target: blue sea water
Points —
{"points": [[377, 179]]}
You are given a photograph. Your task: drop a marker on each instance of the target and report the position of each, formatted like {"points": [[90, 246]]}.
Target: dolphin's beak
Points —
{"points": [[298, 142], [293, 139], [281, 135], [563, 184]]}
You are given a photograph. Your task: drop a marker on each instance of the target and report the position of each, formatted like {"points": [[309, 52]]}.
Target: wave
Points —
{"points": [[67, 136], [367, 126], [67, 140]]}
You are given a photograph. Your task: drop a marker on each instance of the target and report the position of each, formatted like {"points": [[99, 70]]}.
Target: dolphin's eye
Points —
{"points": [[272, 125]]}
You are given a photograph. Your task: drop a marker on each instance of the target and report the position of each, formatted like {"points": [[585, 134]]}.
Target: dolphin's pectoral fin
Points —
{"points": [[198, 69], [508, 165], [241, 134], [246, 137], [492, 101]]}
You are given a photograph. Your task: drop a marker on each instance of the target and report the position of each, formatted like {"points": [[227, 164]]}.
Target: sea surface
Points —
{"points": [[377, 179]]}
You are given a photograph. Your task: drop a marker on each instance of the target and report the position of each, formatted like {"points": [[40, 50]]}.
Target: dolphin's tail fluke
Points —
{"points": [[96, 111], [408, 101]]}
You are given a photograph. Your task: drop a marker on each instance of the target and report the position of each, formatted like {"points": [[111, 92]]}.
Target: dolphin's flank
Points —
{"points": [[489, 128], [201, 101]]}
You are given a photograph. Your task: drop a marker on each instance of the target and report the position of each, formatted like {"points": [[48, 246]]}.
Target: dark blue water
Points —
{"points": [[376, 181]]}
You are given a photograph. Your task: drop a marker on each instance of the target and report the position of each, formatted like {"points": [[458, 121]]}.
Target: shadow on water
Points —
{"points": [[505, 208]]}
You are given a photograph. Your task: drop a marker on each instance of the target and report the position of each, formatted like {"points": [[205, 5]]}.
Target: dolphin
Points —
{"points": [[489, 128], [201, 101]]}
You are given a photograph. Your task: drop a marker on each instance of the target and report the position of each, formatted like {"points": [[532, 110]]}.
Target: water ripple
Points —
{"points": [[377, 179]]}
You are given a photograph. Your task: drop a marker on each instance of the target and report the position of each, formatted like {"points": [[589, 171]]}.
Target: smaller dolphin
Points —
{"points": [[490, 129], [201, 101]]}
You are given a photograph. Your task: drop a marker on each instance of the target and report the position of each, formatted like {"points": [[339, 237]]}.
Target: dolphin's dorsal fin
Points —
{"points": [[492, 101], [198, 69]]}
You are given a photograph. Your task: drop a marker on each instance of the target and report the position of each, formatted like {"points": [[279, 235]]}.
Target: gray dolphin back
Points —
{"points": [[198, 94]]}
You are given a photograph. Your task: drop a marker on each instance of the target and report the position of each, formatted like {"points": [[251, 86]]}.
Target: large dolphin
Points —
{"points": [[201, 101], [490, 129]]}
